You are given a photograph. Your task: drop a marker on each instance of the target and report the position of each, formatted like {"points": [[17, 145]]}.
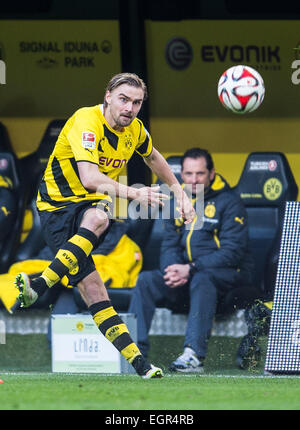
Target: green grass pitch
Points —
{"points": [[29, 384], [48, 391]]}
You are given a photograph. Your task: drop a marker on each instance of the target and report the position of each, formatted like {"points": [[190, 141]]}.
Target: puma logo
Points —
{"points": [[6, 212], [240, 220]]}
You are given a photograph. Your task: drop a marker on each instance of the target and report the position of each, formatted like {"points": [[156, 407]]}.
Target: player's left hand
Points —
{"points": [[186, 208]]}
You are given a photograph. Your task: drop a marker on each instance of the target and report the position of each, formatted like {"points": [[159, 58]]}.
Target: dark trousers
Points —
{"points": [[198, 298]]}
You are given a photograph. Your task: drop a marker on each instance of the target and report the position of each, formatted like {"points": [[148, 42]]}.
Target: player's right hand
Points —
{"points": [[151, 196]]}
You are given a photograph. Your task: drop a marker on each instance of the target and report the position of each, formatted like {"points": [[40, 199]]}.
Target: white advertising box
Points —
{"points": [[79, 347]]}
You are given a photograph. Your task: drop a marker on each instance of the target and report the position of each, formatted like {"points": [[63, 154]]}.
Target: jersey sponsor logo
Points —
{"points": [[88, 140], [113, 162]]}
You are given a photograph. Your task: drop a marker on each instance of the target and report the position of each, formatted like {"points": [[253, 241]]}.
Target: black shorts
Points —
{"points": [[59, 226]]}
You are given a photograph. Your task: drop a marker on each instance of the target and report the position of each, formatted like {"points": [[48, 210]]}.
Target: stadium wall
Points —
{"points": [[282, 135], [56, 66]]}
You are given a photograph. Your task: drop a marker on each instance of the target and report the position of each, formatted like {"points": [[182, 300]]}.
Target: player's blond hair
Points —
{"points": [[126, 78]]}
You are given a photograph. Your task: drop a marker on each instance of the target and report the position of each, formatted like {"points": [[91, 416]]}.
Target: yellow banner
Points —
{"points": [[55, 67], [187, 58]]}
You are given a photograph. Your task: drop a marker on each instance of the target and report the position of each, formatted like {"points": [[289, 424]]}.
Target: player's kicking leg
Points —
{"points": [[27, 295], [73, 253]]}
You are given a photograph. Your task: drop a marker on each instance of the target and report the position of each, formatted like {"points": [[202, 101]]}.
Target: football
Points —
{"points": [[241, 89]]}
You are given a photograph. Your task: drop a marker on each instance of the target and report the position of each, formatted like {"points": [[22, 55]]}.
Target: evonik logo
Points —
{"points": [[179, 54], [114, 162], [240, 54]]}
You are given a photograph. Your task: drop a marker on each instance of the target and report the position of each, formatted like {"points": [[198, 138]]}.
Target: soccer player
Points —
{"points": [[74, 202]]}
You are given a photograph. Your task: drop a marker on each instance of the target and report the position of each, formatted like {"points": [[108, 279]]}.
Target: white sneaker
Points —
{"points": [[27, 295], [154, 372], [187, 362]]}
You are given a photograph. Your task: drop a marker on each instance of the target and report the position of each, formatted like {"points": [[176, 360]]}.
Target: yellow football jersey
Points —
{"points": [[87, 136]]}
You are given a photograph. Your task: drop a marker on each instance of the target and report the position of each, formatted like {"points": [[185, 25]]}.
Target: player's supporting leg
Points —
{"points": [[150, 289], [112, 327]]}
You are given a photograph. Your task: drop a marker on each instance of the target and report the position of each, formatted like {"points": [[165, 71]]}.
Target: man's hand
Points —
{"points": [[150, 196], [176, 275]]}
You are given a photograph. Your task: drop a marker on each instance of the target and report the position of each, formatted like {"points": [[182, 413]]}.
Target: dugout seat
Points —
{"points": [[9, 167], [5, 143], [266, 183], [34, 241], [33, 166]]}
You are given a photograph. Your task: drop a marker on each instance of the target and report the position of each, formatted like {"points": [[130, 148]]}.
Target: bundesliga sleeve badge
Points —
{"points": [[88, 140]]}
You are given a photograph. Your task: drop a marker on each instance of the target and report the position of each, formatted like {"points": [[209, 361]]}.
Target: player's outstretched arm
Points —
{"points": [[95, 181], [159, 166]]}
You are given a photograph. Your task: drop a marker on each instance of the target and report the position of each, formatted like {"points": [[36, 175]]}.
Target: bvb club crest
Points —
{"points": [[128, 141], [210, 210]]}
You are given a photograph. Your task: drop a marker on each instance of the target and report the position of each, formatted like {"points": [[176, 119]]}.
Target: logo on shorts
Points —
{"points": [[88, 140]]}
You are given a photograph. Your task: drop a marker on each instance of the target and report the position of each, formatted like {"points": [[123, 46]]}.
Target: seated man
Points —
{"points": [[198, 266]]}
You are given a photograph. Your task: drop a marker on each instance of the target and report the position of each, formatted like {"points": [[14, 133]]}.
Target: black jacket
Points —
{"points": [[222, 242]]}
